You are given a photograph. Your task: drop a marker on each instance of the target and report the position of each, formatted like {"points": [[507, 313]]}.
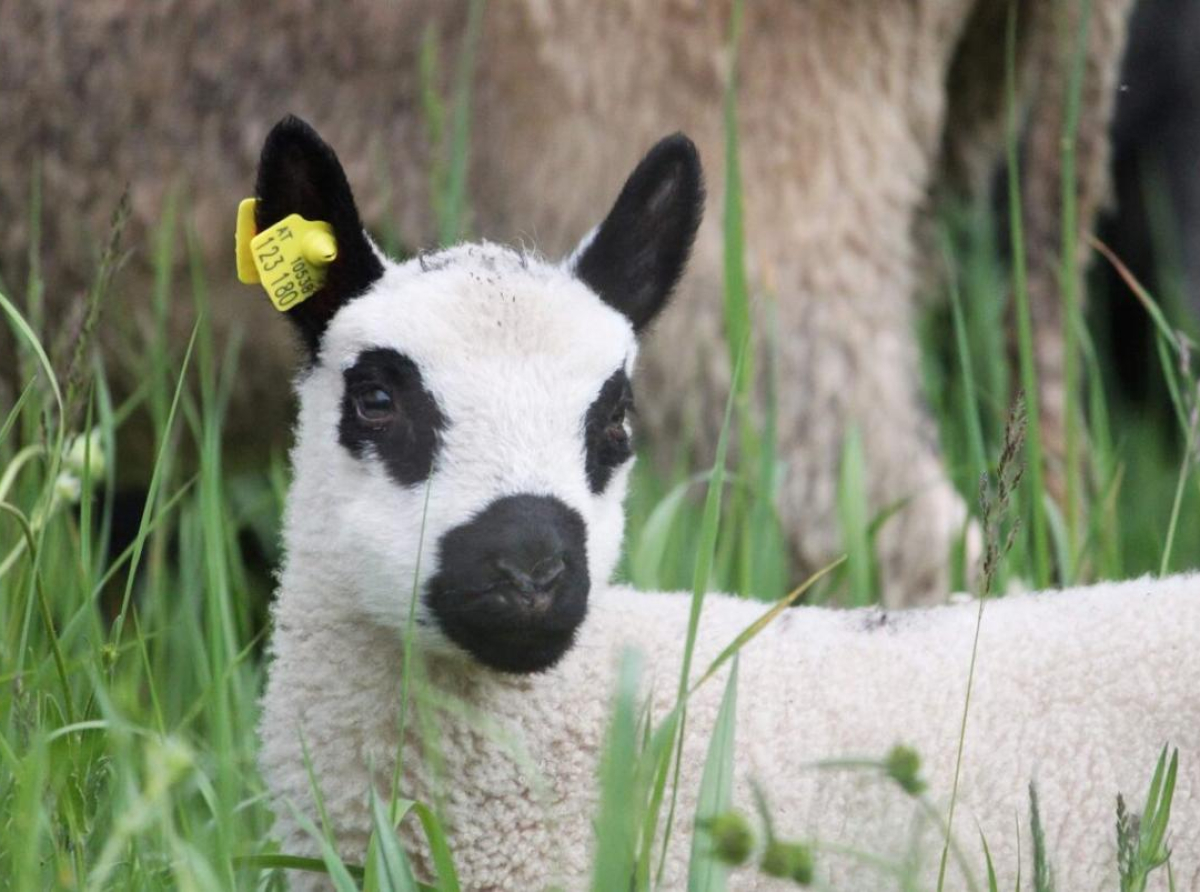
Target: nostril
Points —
{"points": [[546, 573], [530, 580]]}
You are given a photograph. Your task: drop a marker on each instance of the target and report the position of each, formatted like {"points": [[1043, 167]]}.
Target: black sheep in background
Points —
{"points": [[1154, 223]]}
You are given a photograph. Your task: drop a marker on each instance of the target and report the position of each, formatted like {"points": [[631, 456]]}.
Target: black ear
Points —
{"points": [[638, 253], [300, 174]]}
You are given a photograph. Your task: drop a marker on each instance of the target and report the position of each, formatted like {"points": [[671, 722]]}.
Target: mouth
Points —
{"points": [[507, 630]]}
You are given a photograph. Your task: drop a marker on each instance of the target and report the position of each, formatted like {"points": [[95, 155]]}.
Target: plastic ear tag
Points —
{"points": [[288, 259]]}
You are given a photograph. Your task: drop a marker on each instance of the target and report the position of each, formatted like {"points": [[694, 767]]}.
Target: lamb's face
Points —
{"points": [[464, 441], [499, 388]]}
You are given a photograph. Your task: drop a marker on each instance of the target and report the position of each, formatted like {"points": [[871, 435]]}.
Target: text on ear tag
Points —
{"points": [[289, 259]]}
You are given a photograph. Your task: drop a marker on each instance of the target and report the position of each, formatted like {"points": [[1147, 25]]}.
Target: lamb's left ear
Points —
{"points": [[300, 174], [635, 257]]}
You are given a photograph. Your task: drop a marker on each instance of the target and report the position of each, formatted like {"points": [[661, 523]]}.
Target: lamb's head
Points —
{"points": [[465, 416]]}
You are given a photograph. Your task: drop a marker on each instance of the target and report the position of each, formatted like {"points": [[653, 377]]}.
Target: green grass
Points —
{"points": [[129, 682]]}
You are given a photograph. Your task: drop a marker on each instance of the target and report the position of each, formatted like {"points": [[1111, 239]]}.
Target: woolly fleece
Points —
{"points": [[1077, 690]]}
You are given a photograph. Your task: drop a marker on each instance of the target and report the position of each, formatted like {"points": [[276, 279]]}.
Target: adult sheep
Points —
{"points": [[855, 115], [476, 400]]}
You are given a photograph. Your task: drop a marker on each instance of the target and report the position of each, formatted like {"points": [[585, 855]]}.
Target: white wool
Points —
{"points": [[1077, 690]]}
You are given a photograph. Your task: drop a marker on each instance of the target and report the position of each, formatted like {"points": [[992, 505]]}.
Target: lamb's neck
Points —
{"points": [[318, 622]]}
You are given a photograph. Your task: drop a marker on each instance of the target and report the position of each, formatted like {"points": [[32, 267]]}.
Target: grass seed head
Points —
{"points": [[903, 765], [789, 861], [731, 837]]}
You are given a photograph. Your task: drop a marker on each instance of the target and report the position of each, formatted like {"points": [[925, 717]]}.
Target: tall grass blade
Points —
{"points": [[616, 828], [653, 540], [1029, 382], [853, 514], [706, 873], [971, 414], [1043, 875], [700, 582], [439, 848], [453, 225], [1185, 468], [26, 331], [1069, 283], [155, 480], [750, 632], [737, 293], [387, 868], [337, 870], [993, 884]]}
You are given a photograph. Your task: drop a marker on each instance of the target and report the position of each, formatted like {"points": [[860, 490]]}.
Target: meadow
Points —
{"points": [[130, 673]]}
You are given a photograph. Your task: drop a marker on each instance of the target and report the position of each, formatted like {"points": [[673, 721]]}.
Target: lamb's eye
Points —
{"points": [[374, 405], [616, 425], [606, 430]]}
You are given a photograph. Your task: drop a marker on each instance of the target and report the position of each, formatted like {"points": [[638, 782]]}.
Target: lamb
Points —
{"points": [[461, 456], [856, 118]]}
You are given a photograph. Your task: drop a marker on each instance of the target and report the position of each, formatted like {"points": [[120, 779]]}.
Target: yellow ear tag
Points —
{"points": [[288, 259]]}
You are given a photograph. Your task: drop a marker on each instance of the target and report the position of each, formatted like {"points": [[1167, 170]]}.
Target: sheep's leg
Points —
{"points": [[1047, 36], [834, 171], [847, 360], [856, 368], [1057, 37]]}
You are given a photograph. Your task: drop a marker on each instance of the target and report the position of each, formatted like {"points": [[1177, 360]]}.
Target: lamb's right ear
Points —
{"points": [[634, 258], [299, 174]]}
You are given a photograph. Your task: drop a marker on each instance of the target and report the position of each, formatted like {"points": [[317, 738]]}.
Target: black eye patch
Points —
{"points": [[605, 436], [386, 409]]}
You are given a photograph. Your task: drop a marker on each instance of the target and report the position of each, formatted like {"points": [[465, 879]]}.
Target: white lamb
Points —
{"points": [[477, 400]]}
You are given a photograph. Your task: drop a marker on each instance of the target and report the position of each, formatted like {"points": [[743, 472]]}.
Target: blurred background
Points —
{"points": [[850, 175], [893, 188]]}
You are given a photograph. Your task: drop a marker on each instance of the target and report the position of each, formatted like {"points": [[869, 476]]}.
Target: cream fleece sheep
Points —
{"points": [[1075, 690], [852, 114]]}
